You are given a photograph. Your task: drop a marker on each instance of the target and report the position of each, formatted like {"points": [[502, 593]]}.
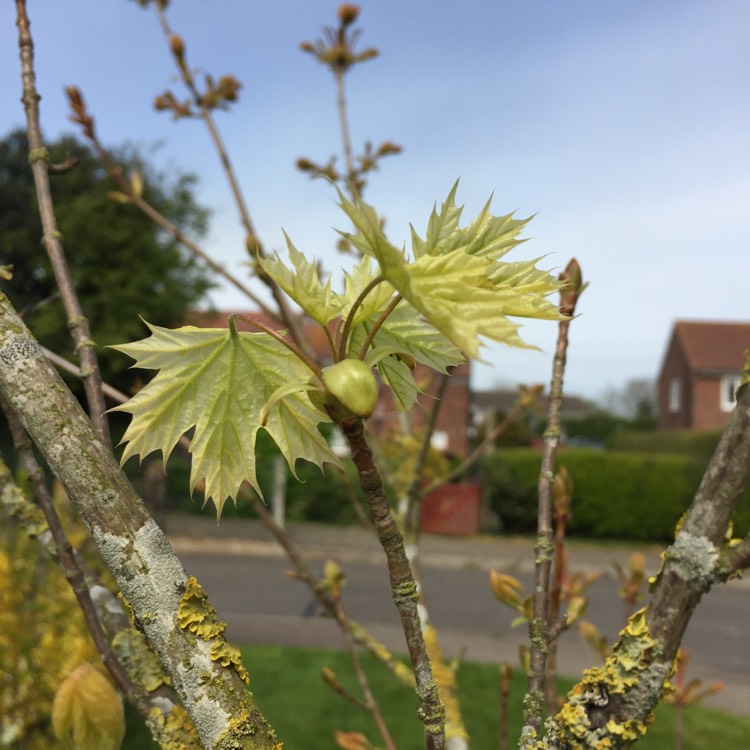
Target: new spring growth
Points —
{"points": [[574, 287], [336, 48]]}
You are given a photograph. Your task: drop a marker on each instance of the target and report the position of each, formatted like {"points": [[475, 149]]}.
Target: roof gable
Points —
{"points": [[713, 346]]}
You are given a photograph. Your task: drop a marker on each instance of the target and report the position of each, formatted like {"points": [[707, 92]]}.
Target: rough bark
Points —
{"points": [[614, 703], [144, 565]]}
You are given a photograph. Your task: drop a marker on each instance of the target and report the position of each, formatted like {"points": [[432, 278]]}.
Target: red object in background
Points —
{"points": [[452, 509]]}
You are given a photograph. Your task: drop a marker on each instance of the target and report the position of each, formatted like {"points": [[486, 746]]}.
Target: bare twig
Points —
{"points": [[86, 121], [351, 178], [478, 452], [39, 158], [252, 241], [414, 492], [359, 633], [539, 624], [369, 703]]}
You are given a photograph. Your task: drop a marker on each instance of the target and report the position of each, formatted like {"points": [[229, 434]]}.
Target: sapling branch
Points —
{"points": [[539, 625], [403, 585], [52, 239], [252, 240]]}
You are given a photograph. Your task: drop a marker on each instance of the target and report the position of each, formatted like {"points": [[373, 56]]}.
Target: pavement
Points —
{"points": [[200, 536]]}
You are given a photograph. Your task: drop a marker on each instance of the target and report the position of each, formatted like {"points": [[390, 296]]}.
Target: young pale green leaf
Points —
{"points": [[303, 284], [488, 235], [356, 281], [218, 382], [452, 281], [398, 376]]}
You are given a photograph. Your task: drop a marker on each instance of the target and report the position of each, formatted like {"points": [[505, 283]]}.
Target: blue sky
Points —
{"points": [[625, 126]]}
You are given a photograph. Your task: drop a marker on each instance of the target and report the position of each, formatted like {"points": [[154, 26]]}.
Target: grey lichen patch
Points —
{"points": [[694, 558], [16, 350]]}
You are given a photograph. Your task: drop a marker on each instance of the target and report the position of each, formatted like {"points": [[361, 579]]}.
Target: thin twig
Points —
{"points": [[39, 158], [137, 200], [345, 135], [369, 703], [252, 240], [317, 586], [477, 453], [414, 492], [539, 624]]}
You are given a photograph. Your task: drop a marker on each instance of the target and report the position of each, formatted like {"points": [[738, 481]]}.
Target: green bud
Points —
{"points": [[352, 383]]}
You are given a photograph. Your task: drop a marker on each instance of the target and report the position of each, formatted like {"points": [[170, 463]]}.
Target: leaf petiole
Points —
{"points": [[376, 327], [350, 317]]}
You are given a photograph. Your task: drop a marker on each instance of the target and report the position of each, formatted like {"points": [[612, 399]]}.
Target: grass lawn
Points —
{"points": [[306, 713]]}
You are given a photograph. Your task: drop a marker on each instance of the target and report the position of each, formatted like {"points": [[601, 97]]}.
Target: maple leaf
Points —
{"points": [[303, 284], [218, 381], [456, 280]]}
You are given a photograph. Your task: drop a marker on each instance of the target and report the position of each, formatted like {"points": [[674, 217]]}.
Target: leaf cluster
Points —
{"points": [[432, 307]]}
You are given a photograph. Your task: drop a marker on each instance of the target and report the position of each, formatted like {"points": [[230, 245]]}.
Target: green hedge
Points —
{"points": [[686, 442], [313, 496], [616, 495]]}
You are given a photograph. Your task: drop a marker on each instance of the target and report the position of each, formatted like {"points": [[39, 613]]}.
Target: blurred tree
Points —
{"points": [[123, 265], [635, 400]]}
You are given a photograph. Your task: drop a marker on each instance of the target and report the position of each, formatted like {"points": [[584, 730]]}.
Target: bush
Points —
{"points": [[319, 497], [616, 495], [690, 442]]}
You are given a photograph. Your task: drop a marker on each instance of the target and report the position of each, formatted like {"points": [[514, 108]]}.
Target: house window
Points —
{"points": [[675, 395], [729, 386]]}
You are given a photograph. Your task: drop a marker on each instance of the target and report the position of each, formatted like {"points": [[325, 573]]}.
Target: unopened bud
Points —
{"points": [[177, 46], [348, 13]]}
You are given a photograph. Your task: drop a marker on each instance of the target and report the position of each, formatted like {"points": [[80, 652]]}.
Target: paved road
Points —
{"points": [[244, 573]]}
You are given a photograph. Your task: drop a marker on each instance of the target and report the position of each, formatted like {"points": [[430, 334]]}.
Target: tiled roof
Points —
{"points": [[713, 346]]}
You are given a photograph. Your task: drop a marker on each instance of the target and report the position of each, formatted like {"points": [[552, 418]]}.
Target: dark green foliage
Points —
{"points": [[316, 497], [122, 265], [517, 433], [627, 496], [688, 442], [599, 427]]}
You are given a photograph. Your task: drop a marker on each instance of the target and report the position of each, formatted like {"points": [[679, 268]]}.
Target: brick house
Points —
{"points": [[451, 433], [700, 374]]}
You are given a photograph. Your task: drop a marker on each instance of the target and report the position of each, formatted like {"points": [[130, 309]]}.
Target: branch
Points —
{"points": [[614, 702], [143, 563], [539, 634], [39, 158], [317, 586], [403, 585], [478, 452], [252, 242]]}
